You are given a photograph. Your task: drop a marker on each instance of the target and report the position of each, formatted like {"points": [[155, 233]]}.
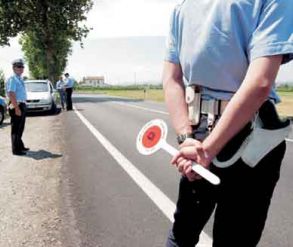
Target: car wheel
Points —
{"points": [[1, 114]]}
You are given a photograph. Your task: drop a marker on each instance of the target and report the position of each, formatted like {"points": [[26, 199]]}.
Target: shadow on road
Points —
{"points": [[43, 114], [42, 154], [5, 124]]}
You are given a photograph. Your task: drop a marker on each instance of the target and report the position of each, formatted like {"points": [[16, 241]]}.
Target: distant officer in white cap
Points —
{"points": [[15, 90]]}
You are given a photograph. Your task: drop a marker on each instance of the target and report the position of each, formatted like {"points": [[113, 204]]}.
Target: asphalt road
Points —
{"points": [[108, 207]]}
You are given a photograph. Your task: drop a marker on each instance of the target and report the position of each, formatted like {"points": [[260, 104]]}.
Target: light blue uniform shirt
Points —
{"points": [[60, 85], [215, 40], [69, 83], [16, 84]]}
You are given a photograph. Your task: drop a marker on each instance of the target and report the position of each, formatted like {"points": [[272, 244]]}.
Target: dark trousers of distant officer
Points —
{"points": [[242, 199], [68, 99], [62, 95], [17, 128]]}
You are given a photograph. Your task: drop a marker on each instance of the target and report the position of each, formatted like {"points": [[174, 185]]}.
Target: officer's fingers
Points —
{"points": [[191, 175], [181, 166], [178, 160], [175, 158], [187, 166]]}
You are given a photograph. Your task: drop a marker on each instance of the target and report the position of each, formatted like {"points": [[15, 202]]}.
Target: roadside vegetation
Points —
{"points": [[155, 93], [143, 92], [285, 108], [2, 83], [47, 30]]}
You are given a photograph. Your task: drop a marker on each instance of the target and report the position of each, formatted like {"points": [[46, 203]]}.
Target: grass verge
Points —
{"points": [[285, 108]]}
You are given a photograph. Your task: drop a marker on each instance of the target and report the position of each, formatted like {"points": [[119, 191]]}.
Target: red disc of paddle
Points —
{"points": [[152, 136]]}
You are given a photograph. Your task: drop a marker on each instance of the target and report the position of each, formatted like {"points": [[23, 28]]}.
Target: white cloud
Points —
{"points": [[130, 18]]}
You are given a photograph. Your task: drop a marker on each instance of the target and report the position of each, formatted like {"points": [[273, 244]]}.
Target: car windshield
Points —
{"points": [[36, 86]]}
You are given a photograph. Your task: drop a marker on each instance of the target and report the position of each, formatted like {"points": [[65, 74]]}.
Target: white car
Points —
{"points": [[41, 95], [3, 108]]}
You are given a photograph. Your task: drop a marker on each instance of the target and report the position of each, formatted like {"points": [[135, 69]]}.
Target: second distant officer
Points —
{"points": [[69, 83]]}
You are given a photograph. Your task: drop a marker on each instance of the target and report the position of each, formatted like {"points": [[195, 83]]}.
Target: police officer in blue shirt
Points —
{"points": [[60, 86], [226, 54], [15, 90], [69, 83]]}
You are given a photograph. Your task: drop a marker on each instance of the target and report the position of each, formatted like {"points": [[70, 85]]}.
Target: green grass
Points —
{"points": [[285, 108], [148, 94]]}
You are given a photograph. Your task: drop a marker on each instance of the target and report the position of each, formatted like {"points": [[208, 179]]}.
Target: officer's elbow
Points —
{"points": [[263, 87]]}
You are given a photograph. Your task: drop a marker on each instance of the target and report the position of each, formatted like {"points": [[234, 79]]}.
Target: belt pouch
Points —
{"points": [[192, 97]]}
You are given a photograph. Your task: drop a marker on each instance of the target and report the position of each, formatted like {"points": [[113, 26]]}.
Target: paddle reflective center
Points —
{"points": [[151, 137]]}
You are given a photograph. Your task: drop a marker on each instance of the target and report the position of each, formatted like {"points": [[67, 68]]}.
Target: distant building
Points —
{"points": [[93, 81]]}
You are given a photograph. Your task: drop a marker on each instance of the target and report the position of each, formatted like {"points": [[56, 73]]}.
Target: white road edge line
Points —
{"points": [[289, 140], [152, 191], [142, 108]]}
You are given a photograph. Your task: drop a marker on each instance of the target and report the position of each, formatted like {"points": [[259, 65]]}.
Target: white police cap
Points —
{"points": [[18, 61]]}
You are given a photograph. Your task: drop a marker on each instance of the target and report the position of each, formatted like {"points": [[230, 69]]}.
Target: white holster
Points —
{"points": [[257, 144], [192, 97]]}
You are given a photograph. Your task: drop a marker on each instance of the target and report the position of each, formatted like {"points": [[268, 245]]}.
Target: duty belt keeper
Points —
{"points": [[213, 112], [192, 98]]}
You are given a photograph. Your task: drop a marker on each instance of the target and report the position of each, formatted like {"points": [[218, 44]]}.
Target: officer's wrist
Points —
{"points": [[182, 137], [210, 151]]}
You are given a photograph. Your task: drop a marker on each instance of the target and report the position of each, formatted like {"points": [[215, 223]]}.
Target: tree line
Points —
{"points": [[47, 29]]}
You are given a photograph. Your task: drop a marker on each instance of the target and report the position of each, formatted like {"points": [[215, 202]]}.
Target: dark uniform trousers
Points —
{"points": [[241, 201], [68, 98], [17, 128]]}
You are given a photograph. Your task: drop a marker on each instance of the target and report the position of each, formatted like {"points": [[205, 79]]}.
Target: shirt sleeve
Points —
{"points": [[172, 54], [11, 85], [274, 33]]}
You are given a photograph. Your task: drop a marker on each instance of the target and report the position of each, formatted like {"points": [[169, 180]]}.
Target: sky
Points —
{"points": [[126, 45]]}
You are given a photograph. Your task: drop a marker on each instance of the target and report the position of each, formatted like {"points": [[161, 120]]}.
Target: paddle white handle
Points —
{"points": [[205, 173]]}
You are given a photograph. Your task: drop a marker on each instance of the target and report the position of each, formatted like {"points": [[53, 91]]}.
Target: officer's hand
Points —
{"points": [[184, 167], [190, 150], [17, 112]]}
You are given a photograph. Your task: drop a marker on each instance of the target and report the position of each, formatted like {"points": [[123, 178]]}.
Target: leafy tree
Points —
{"points": [[48, 27], [35, 54], [2, 83]]}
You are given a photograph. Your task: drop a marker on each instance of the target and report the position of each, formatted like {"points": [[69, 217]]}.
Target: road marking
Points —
{"points": [[141, 108], [289, 140], [152, 191]]}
